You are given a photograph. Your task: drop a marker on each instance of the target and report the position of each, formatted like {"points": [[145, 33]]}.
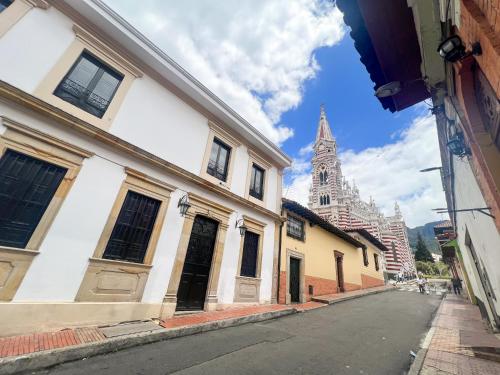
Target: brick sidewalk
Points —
{"points": [[330, 298], [38, 342], [459, 341]]}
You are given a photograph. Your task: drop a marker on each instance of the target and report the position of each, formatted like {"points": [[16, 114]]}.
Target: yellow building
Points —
{"points": [[317, 258]]}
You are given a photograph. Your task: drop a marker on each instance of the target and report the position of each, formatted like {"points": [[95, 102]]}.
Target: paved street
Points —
{"points": [[369, 335]]}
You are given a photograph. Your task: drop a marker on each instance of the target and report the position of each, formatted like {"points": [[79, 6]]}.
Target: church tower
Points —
{"points": [[326, 174]]}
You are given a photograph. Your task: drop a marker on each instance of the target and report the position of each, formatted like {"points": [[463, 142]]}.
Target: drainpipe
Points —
{"points": [[279, 261]]}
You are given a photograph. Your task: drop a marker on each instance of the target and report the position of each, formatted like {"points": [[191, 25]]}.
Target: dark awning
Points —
{"points": [[384, 34]]}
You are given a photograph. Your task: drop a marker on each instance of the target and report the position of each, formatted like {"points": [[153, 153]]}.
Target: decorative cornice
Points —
{"points": [[33, 133], [91, 40], [262, 162], [218, 129], [13, 94], [42, 4]]}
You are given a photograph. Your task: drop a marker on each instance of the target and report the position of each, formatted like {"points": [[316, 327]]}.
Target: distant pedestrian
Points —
{"points": [[457, 285], [420, 283]]}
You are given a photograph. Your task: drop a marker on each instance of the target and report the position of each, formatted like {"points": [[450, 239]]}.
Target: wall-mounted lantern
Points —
{"points": [[240, 224], [184, 204], [452, 49]]}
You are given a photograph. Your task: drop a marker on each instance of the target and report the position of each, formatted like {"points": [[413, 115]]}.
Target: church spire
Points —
{"points": [[324, 131]]}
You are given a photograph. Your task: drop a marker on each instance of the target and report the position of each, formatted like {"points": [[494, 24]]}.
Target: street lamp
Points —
{"points": [[457, 145], [240, 224], [389, 89], [184, 204], [452, 49]]}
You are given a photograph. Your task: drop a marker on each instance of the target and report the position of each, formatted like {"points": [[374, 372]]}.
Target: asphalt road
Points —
{"points": [[369, 335]]}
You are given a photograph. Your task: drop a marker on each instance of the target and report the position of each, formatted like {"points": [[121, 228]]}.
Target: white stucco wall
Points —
{"points": [[57, 271], [156, 120], [482, 231], [32, 47], [150, 117]]}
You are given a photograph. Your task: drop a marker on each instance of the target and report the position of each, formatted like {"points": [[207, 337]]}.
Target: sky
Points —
{"points": [[275, 62]]}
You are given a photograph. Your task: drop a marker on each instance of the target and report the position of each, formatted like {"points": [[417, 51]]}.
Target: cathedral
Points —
{"points": [[336, 200]]}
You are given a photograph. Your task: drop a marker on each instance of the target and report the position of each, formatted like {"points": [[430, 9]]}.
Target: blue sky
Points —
{"points": [[356, 117], [275, 62]]}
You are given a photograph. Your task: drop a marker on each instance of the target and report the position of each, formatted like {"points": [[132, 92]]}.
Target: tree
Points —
{"points": [[423, 254]]}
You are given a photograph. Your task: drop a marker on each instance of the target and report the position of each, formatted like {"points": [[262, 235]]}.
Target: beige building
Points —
{"points": [[317, 258]]}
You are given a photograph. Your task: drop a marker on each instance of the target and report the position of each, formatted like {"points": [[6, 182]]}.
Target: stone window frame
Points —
{"points": [[117, 273], [34, 143], [245, 284], [215, 211], [254, 158], [85, 41], [304, 222], [17, 10], [145, 185], [302, 283], [217, 132]]}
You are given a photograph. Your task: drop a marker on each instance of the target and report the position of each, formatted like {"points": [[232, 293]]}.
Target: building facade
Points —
{"points": [[127, 189], [317, 258], [334, 199], [451, 55]]}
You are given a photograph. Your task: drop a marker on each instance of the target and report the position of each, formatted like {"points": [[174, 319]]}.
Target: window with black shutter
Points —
{"points": [[5, 4], [89, 85], [130, 237], [365, 257], [219, 160], [375, 258], [250, 253], [27, 186], [257, 182]]}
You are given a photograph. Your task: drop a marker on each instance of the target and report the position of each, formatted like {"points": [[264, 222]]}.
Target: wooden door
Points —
{"points": [[340, 272], [196, 271], [294, 280]]}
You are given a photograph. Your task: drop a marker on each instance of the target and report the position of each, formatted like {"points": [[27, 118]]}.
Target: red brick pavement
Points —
{"points": [[36, 342], [205, 317], [458, 331]]}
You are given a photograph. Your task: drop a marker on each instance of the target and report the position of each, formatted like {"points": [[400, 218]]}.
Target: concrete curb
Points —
{"points": [[347, 298], [418, 362], [49, 358]]}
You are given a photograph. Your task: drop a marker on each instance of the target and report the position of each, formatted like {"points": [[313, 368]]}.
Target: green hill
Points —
{"points": [[427, 232]]}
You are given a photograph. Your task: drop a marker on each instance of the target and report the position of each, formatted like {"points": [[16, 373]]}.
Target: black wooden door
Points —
{"points": [[295, 280], [194, 279], [340, 272]]}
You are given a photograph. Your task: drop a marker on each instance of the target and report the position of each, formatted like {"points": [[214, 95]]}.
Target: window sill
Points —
{"points": [[256, 279], [18, 250], [120, 262]]}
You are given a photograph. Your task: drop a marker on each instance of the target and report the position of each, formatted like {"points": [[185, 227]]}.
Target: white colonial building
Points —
{"points": [[104, 143], [334, 199]]}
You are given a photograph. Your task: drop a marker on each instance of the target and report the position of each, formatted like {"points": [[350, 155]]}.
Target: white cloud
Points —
{"points": [[390, 173], [254, 54]]}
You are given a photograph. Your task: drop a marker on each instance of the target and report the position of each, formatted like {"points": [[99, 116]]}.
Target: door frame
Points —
{"points": [[300, 256], [204, 207], [339, 256]]}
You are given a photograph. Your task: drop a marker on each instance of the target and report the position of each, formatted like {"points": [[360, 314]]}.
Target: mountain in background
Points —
{"points": [[427, 232]]}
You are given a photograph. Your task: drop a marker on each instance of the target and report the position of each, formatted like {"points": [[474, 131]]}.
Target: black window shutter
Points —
{"points": [[249, 257], [27, 185], [130, 237]]}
